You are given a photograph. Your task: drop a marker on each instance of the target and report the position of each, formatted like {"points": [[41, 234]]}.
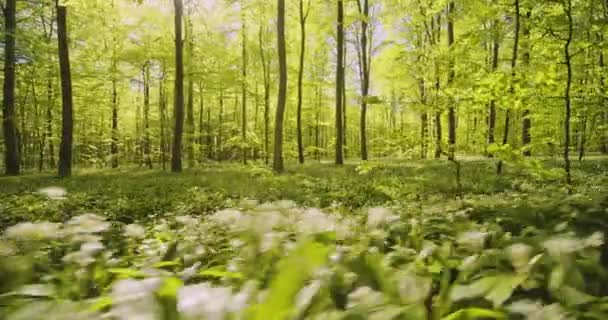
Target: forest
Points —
{"points": [[304, 159]]}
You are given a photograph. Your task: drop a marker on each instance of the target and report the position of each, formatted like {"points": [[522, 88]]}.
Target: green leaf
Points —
{"points": [[475, 313], [293, 271]]}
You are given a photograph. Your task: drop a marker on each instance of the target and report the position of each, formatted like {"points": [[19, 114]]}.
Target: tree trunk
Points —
{"points": [[438, 130], [266, 74], [11, 155], [303, 17], [244, 149], [339, 85], [567, 101], [49, 122], [364, 65], [201, 125], [278, 165], [220, 136], [176, 154], [526, 138], [163, 119], [505, 138], [146, 120], [65, 150], [190, 103], [114, 133], [492, 113], [451, 74]]}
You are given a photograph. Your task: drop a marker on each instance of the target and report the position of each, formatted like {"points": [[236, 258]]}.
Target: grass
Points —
{"points": [[133, 194]]}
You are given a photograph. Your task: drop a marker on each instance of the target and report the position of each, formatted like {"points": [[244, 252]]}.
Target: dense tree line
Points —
{"points": [[371, 79]]}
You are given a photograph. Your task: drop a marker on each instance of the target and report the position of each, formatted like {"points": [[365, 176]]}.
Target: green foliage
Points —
{"points": [[524, 250]]}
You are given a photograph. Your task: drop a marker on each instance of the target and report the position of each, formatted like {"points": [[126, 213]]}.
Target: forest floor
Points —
{"points": [[474, 228], [133, 194]]}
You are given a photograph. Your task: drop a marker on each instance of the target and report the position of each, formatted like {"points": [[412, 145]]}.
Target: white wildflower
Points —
{"points": [[377, 217], [226, 217], [134, 299], [203, 301], [562, 246], [307, 294], [55, 193], [414, 289], [92, 248], [473, 240], [595, 240], [313, 221], [520, 255], [189, 272], [427, 250], [364, 296], [187, 220], [135, 231], [33, 231], [88, 223], [469, 263]]}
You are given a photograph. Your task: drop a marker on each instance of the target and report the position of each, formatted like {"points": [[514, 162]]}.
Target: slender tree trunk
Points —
{"points": [[266, 74], [146, 120], [190, 102], [526, 138], [492, 113], [176, 156], [364, 65], [423, 121], [339, 85], [245, 148], [277, 164], [567, 101], [220, 137], [201, 124], [114, 133], [303, 17], [318, 124], [163, 120], [451, 75], [11, 152], [438, 129], [505, 138], [49, 122], [65, 150]]}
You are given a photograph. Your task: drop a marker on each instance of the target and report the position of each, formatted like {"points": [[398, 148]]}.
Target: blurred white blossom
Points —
{"points": [[473, 240], [563, 246], [520, 254], [306, 295], [55, 193], [135, 300], [595, 240], [414, 289], [203, 301], [135, 231], [377, 217], [364, 296], [33, 231], [88, 223]]}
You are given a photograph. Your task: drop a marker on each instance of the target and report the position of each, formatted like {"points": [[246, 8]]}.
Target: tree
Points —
{"points": [[65, 149], [364, 71], [340, 85], [567, 91], [11, 156], [451, 74], [278, 165], [303, 17], [244, 87], [513, 74], [176, 154]]}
